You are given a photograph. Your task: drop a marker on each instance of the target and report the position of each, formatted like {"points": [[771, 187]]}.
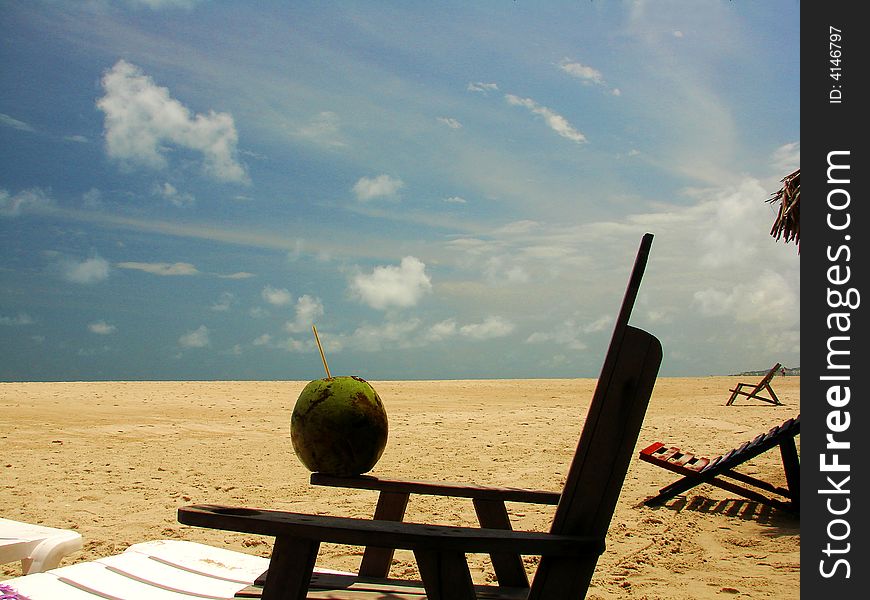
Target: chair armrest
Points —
{"points": [[455, 490], [394, 534]]}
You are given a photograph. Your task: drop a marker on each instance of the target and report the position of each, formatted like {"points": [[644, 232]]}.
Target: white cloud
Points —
{"points": [[308, 309], [680, 96], [412, 333], [294, 345], [167, 191], [224, 302], [569, 333], [393, 333], [518, 227], [713, 302], [787, 158], [600, 324], [198, 338], [581, 71], [456, 200], [23, 201], [442, 330], [161, 4], [408, 333], [736, 213], [554, 121], [91, 270], [378, 187], [276, 296], [400, 286], [450, 122], [18, 320], [491, 327], [263, 340], [7, 121], [499, 270], [101, 328], [482, 87], [93, 198], [766, 308], [163, 269], [142, 119], [570, 342], [298, 250], [768, 300], [470, 246], [323, 129]]}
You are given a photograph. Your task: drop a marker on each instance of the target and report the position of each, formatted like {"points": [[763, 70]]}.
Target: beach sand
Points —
{"points": [[114, 460]]}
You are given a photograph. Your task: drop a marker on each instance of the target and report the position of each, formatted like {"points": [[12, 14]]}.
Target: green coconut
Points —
{"points": [[339, 426]]}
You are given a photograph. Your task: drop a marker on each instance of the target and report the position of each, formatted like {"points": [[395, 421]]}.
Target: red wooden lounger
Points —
{"points": [[697, 470]]}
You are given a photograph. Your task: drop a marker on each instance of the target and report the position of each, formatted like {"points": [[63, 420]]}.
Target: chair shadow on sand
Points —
{"points": [[748, 510]]}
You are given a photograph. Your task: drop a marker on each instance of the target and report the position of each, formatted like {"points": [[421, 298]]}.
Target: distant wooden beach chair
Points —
{"points": [[717, 471], [39, 548], [757, 388], [569, 551]]}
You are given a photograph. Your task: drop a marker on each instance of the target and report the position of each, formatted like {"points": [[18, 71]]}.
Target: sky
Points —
{"points": [[448, 190]]}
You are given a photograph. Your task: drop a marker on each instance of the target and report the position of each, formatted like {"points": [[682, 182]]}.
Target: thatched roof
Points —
{"points": [[788, 220]]}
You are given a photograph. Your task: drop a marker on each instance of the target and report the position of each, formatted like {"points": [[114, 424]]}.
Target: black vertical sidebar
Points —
{"points": [[835, 367]]}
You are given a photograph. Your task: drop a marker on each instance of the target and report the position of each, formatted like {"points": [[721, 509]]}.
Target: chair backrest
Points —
{"points": [[767, 377], [749, 450], [606, 444]]}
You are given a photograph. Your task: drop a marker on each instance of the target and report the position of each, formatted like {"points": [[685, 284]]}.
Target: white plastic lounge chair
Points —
{"points": [[38, 548], [158, 570]]}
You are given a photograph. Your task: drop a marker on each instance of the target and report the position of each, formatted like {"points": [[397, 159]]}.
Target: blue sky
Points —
{"points": [[447, 191]]}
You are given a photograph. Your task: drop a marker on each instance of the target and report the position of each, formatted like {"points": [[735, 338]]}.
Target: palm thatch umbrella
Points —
{"points": [[788, 219]]}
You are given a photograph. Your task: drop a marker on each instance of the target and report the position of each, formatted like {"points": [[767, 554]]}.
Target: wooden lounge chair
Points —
{"points": [[569, 551], [720, 471], [39, 548], [762, 385]]}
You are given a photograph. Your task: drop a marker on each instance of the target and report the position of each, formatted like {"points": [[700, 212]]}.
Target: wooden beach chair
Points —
{"points": [[569, 551], [720, 471], [757, 388], [39, 548], [489, 502]]}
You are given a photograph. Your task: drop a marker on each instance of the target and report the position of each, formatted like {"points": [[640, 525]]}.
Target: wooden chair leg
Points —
{"points": [[773, 396], [509, 569], [563, 577], [791, 464], [290, 569], [376, 561], [737, 390], [678, 487], [445, 575]]}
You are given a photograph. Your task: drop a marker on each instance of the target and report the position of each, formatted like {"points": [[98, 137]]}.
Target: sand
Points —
{"points": [[115, 460]]}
